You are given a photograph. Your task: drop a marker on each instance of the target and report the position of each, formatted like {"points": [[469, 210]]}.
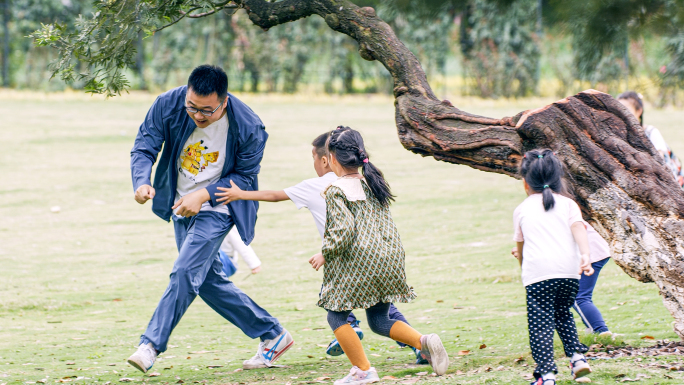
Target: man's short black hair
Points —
{"points": [[208, 79], [320, 144]]}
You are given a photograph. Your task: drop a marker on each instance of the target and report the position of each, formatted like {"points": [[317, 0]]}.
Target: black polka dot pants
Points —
{"points": [[548, 309]]}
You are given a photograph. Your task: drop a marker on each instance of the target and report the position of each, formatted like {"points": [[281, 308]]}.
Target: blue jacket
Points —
{"points": [[168, 124]]}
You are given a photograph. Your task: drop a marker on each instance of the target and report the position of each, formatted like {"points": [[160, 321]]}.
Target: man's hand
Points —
{"points": [[256, 269], [191, 204], [144, 193], [229, 194], [585, 265], [514, 252], [317, 261]]}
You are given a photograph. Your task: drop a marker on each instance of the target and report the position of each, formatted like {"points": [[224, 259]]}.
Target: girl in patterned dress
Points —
{"points": [[364, 259], [548, 230]]}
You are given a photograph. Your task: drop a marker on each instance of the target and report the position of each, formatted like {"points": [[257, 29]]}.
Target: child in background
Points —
{"points": [[548, 230], [231, 247], [308, 194], [584, 305], [364, 260], [634, 102]]}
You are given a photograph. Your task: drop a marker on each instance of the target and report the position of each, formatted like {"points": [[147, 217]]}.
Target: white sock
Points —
{"points": [[576, 357], [549, 376]]}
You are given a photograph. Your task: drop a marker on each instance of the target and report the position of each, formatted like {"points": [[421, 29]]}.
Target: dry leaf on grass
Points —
{"points": [[647, 338], [584, 380], [421, 373], [126, 379], [463, 352], [483, 346], [323, 378], [389, 378], [155, 374]]}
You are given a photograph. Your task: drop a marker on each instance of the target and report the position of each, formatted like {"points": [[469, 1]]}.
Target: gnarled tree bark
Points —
{"points": [[617, 177]]}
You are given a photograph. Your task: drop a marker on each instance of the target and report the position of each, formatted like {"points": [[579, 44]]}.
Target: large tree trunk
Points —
{"points": [[616, 175]]}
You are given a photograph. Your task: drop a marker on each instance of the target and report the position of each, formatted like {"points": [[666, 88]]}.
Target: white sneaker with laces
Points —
{"points": [[357, 376], [433, 351], [143, 358], [269, 351]]}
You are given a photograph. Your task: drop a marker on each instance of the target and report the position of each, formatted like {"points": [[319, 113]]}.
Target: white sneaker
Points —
{"points": [[579, 367], [269, 351], [358, 376], [433, 351], [143, 358]]}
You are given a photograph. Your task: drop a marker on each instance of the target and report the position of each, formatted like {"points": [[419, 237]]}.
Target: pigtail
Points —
{"points": [[376, 180], [547, 198]]}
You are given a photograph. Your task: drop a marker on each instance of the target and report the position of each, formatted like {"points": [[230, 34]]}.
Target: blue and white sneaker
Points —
{"points": [[269, 351], [334, 348], [144, 357], [419, 357]]}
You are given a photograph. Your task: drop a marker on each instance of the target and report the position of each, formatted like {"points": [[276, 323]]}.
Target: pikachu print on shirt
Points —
{"points": [[201, 160]]}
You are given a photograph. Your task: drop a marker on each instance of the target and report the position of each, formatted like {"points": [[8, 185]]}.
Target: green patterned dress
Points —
{"points": [[364, 258]]}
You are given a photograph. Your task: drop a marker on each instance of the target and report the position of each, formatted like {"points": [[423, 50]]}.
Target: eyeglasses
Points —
{"points": [[203, 112]]}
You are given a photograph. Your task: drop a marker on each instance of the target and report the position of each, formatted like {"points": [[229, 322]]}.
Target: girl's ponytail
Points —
{"points": [[547, 198], [543, 172], [349, 150]]}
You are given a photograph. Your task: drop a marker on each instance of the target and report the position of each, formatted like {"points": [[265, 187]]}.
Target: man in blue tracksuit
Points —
{"points": [[207, 138]]}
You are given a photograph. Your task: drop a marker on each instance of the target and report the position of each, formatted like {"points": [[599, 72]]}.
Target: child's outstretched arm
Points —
{"points": [[235, 193], [579, 232]]}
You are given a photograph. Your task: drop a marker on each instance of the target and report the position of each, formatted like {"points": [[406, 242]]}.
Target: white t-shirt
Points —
{"points": [[598, 247], [201, 161], [657, 139], [308, 194], [550, 250]]}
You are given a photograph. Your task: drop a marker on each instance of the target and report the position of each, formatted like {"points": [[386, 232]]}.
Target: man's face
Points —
{"points": [[205, 103]]}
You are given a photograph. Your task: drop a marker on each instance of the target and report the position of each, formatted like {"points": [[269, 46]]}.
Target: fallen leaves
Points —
{"points": [[647, 338], [660, 348], [584, 380], [463, 352], [214, 366], [155, 374], [126, 379], [483, 346]]}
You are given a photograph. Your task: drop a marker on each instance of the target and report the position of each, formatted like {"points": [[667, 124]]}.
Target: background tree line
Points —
{"points": [[488, 48]]}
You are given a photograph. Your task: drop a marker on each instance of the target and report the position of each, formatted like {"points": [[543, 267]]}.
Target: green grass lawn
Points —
{"points": [[78, 287]]}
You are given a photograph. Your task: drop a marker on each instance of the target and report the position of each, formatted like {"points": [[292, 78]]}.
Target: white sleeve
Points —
{"points": [[246, 252], [575, 213], [658, 141], [299, 194], [517, 230]]}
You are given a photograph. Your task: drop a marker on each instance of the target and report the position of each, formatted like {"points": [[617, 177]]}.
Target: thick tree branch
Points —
{"points": [[615, 174]]}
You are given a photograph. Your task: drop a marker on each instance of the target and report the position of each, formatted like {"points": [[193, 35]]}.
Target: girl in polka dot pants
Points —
{"points": [[549, 231]]}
